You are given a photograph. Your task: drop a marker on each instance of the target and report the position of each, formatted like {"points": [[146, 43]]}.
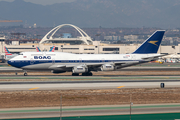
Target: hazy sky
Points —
{"points": [[43, 2]]}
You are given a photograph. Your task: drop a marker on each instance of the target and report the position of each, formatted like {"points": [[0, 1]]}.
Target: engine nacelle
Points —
{"points": [[80, 69], [57, 71], [107, 67]]}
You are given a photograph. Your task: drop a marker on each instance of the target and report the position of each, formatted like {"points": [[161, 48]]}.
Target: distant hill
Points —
{"points": [[95, 13]]}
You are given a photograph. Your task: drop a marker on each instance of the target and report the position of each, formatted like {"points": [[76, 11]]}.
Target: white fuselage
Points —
{"points": [[56, 60]]}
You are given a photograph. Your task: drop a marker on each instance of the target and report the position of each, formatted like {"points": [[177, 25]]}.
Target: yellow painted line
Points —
{"points": [[120, 86], [34, 88]]}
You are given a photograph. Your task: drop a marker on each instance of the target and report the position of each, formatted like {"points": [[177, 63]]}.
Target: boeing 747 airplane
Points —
{"points": [[59, 62]]}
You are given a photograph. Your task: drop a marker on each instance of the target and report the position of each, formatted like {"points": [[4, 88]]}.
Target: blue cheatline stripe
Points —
{"points": [[23, 63]]}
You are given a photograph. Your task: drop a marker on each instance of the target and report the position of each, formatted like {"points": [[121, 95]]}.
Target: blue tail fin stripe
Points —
{"points": [[38, 49], [151, 45], [7, 50], [51, 48]]}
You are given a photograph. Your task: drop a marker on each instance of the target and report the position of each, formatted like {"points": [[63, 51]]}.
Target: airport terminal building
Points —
{"points": [[80, 45]]}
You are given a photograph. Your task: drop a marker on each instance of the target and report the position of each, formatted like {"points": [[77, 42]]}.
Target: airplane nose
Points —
{"points": [[14, 63], [9, 62]]}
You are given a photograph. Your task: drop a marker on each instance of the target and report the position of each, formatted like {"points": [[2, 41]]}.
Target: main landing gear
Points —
{"points": [[75, 74], [25, 73], [83, 74], [87, 74]]}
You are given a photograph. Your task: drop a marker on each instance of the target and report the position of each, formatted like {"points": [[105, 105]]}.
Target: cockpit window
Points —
{"points": [[20, 53]]}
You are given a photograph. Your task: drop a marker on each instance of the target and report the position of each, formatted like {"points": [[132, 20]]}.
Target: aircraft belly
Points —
{"points": [[37, 66]]}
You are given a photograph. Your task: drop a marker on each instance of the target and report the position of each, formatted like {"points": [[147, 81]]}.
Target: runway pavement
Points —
{"points": [[86, 85], [88, 110], [20, 82], [133, 68], [98, 77]]}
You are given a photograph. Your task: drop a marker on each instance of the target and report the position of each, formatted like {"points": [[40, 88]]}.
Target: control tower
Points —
{"points": [[2, 39]]}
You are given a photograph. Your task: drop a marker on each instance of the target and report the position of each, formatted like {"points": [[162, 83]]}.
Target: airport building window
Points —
{"points": [[70, 48], [89, 49], [165, 53], [21, 48], [110, 49]]}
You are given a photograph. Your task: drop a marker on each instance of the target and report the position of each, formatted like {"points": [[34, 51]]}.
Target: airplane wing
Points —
{"points": [[96, 65], [118, 64]]}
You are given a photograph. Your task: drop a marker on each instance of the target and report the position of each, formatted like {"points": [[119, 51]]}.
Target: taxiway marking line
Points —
{"points": [[120, 86], [33, 88]]}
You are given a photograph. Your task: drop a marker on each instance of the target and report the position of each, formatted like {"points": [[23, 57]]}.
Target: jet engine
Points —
{"points": [[107, 67], [80, 69]]}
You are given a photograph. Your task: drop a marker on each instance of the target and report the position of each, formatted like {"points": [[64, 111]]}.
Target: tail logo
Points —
{"points": [[153, 42]]}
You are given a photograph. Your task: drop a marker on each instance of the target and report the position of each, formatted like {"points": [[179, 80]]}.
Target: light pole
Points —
{"points": [[61, 107], [130, 105]]}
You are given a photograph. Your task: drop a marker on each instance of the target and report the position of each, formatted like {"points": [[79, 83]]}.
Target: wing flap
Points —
{"points": [[92, 65], [57, 66]]}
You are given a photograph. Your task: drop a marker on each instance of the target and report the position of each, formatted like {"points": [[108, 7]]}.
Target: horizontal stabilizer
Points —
{"points": [[154, 58]]}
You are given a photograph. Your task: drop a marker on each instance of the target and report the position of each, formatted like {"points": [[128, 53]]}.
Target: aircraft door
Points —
{"points": [[31, 61], [80, 60], [53, 61], [103, 60], [133, 57]]}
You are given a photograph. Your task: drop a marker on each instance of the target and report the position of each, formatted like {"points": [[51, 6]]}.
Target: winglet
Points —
{"points": [[151, 45]]}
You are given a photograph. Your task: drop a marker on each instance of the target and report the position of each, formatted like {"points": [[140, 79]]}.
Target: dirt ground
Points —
{"points": [[19, 99]]}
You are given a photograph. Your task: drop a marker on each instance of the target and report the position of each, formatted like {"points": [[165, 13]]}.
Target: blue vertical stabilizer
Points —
{"points": [[151, 45]]}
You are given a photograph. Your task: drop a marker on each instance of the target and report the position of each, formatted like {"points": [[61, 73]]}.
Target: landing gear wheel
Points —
{"points": [[75, 74], [87, 74], [90, 74], [84, 74], [25, 74]]}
